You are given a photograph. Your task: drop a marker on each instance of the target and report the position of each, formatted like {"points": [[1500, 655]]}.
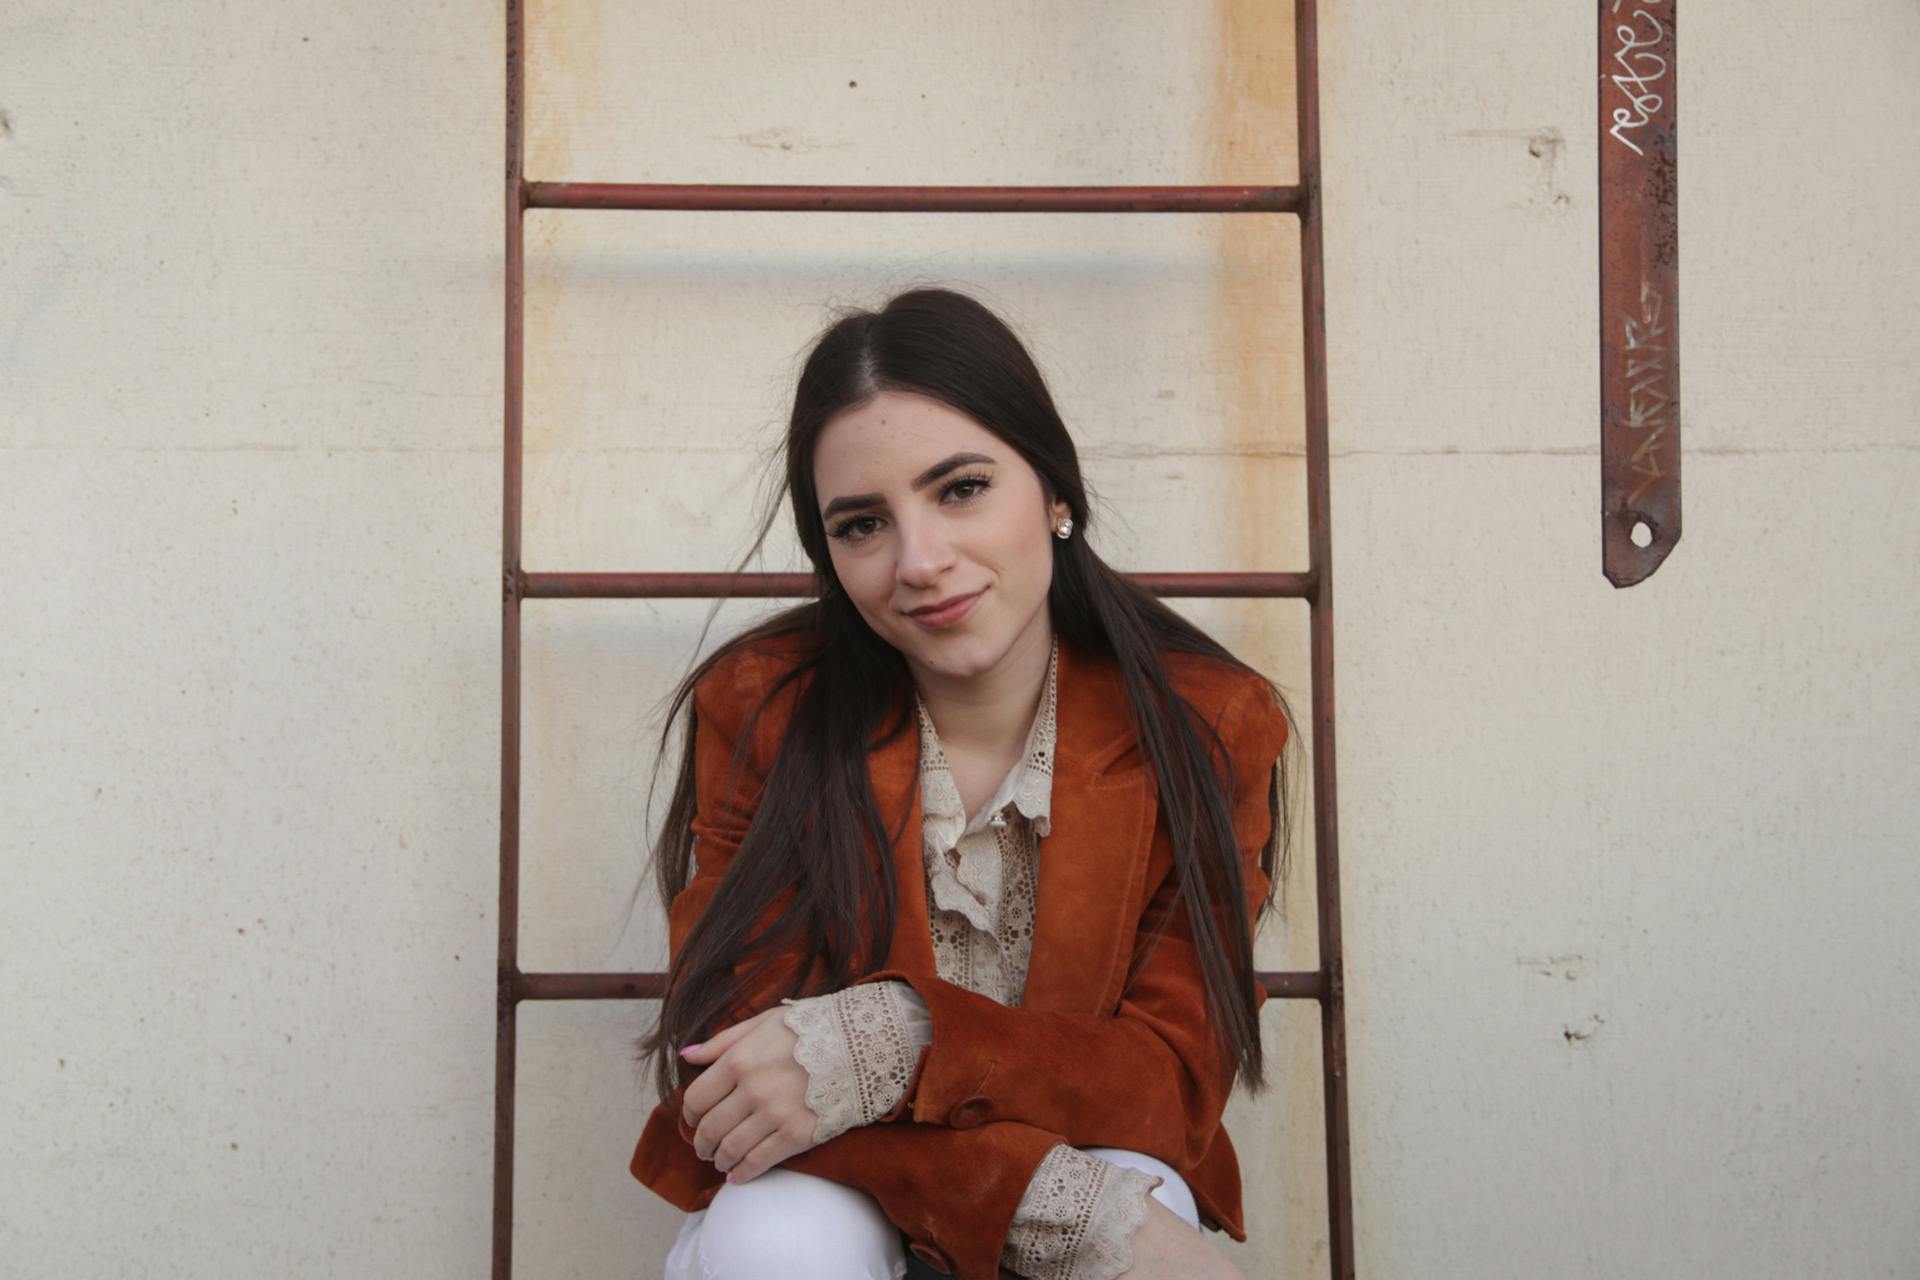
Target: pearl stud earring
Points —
{"points": [[1064, 529]]}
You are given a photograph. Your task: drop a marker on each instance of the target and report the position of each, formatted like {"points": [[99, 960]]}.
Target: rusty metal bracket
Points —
{"points": [[1639, 289]]}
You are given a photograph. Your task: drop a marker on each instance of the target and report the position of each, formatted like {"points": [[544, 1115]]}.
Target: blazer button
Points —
{"points": [[970, 1113], [933, 1257]]}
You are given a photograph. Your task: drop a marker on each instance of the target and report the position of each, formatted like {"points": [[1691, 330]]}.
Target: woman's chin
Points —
{"points": [[952, 657]]}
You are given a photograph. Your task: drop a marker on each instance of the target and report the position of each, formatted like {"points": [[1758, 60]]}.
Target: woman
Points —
{"points": [[919, 825]]}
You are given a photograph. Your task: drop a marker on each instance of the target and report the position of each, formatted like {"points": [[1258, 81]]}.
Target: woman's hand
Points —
{"points": [[1166, 1248], [748, 1109]]}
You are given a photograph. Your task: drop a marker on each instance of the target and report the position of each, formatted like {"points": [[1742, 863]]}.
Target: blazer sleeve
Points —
{"points": [[1148, 1077]]}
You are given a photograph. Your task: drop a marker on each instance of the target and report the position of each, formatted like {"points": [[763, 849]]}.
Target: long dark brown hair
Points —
{"points": [[817, 821]]}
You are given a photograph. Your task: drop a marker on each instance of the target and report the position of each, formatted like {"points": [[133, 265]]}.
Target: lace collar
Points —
{"points": [[972, 888]]}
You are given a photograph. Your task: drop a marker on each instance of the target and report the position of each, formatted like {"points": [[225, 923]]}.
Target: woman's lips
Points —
{"points": [[937, 619]]}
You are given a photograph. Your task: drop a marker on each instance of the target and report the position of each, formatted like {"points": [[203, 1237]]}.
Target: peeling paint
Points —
{"points": [[1547, 146], [779, 138], [1571, 966], [1587, 1029]]}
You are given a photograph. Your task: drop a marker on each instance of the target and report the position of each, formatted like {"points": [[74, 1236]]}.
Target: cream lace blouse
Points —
{"points": [[860, 1045]]}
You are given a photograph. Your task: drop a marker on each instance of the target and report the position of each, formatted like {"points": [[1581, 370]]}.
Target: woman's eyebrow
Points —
{"points": [[945, 465], [920, 481]]}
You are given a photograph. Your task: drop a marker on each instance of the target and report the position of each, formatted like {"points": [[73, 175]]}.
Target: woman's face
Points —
{"points": [[940, 534]]}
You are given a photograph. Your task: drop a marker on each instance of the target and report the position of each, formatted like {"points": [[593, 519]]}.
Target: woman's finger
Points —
{"points": [[765, 1154], [720, 1120], [747, 1136], [704, 1092]]}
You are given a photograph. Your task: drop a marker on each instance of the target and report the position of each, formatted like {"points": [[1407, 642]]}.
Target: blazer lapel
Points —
{"points": [[1094, 860], [894, 770]]}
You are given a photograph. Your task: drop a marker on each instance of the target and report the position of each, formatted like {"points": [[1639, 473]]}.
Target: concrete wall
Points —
{"points": [[1628, 874]]}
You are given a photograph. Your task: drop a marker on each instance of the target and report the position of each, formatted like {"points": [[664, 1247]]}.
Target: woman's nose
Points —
{"points": [[925, 552]]}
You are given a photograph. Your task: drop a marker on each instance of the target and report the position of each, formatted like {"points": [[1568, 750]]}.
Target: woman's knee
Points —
{"points": [[787, 1223], [1173, 1191]]}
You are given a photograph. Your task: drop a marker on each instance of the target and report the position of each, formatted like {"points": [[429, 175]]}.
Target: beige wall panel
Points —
{"points": [[246, 933], [1633, 874], [993, 91], [1629, 875]]}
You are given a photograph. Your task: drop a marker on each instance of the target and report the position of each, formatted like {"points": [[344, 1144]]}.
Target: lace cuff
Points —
{"points": [[1077, 1218], [859, 1046]]}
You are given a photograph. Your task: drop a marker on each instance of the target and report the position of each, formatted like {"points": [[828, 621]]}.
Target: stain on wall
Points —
{"points": [[1251, 130]]}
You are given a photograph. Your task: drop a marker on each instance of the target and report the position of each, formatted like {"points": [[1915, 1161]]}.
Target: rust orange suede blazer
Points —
{"points": [[1092, 1056]]}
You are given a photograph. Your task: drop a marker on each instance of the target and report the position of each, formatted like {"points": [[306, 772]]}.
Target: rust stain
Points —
{"points": [[565, 76], [1250, 136], [1256, 283], [566, 81]]}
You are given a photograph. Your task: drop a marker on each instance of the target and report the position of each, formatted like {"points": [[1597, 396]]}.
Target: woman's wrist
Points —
{"points": [[860, 1046]]}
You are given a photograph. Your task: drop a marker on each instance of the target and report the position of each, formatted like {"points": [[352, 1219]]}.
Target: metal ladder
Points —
{"points": [[1315, 586]]}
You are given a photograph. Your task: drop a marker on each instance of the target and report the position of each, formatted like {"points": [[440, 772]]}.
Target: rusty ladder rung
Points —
{"points": [[831, 199], [706, 586], [1284, 985]]}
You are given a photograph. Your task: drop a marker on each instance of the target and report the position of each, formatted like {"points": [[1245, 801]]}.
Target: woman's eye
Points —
{"points": [[967, 487], [858, 529]]}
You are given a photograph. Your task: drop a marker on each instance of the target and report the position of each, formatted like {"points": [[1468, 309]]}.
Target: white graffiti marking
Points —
{"points": [[1639, 71], [1647, 399]]}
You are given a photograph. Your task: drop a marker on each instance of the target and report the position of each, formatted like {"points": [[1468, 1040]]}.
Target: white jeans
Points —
{"points": [[794, 1226]]}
